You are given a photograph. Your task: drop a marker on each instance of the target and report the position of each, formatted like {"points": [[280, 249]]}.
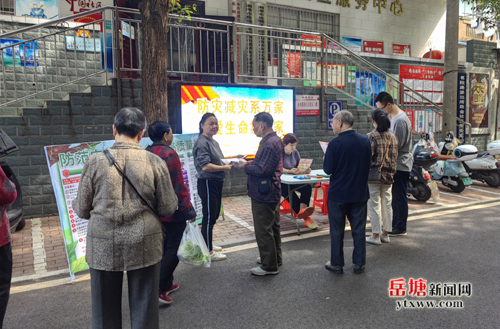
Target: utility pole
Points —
{"points": [[450, 68]]}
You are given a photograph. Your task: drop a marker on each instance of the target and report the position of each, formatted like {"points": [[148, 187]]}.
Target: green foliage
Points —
{"points": [[489, 11], [176, 8]]}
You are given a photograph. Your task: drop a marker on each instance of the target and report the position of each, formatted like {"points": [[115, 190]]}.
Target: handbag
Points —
{"points": [[264, 185], [374, 174], [113, 162]]}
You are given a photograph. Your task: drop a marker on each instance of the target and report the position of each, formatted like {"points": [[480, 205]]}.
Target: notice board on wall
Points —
{"points": [[426, 80]]}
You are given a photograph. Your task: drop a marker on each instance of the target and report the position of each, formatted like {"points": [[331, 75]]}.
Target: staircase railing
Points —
{"points": [[361, 76], [49, 66], [202, 50]]}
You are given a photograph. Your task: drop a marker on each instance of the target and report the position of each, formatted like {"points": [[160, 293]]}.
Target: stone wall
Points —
{"points": [[86, 117], [482, 53], [56, 66]]}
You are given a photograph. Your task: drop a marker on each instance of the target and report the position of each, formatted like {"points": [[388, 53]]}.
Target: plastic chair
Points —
{"points": [[322, 203], [285, 208]]}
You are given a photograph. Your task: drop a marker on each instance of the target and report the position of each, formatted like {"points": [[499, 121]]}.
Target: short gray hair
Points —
{"points": [[346, 117]]}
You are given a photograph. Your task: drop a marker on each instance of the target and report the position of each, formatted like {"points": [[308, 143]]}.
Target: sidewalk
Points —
{"points": [[38, 250]]}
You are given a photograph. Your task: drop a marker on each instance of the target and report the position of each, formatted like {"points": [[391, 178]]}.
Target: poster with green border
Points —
{"points": [[66, 164]]}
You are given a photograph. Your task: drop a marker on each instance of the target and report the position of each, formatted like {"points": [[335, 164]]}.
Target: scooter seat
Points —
{"points": [[482, 153], [446, 157]]}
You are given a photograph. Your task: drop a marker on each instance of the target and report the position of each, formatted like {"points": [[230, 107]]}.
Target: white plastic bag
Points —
{"points": [[193, 249]]}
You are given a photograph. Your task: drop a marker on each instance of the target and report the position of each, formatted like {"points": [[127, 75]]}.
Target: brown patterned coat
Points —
{"points": [[123, 232]]}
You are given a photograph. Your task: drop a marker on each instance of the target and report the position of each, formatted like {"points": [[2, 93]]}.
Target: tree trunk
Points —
{"points": [[154, 59]]}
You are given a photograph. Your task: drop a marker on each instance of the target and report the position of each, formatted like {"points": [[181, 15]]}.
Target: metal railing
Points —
{"points": [[65, 59], [202, 50]]}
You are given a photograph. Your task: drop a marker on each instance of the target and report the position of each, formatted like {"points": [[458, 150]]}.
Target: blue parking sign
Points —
{"points": [[334, 107]]}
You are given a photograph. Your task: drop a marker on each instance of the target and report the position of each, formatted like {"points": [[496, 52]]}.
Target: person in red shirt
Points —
{"points": [[161, 134], [8, 195]]}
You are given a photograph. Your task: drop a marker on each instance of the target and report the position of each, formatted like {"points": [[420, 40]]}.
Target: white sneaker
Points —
{"points": [[260, 271], [385, 239], [370, 239], [216, 248], [215, 256]]}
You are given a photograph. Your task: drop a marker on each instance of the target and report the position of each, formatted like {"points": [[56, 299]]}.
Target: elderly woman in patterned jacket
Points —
{"points": [[124, 231]]}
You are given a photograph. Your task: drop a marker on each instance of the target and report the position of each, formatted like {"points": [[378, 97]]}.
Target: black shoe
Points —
{"points": [[397, 232], [358, 269], [334, 269]]}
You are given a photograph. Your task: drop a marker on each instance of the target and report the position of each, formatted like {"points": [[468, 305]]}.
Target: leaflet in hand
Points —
{"points": [[233, 161], [324, 146], [304, 164]]}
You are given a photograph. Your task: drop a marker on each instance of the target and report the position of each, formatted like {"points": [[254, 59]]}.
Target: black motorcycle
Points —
{"points": [[420, 184], [15, 210]]}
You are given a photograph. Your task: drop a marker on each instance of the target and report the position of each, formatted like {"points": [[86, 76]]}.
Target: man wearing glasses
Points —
{"points": [[401, 127]]}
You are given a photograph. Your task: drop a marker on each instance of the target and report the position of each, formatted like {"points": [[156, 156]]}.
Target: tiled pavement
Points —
{"points": [[38, 249]]}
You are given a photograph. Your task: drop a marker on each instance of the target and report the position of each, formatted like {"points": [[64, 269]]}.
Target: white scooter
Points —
{"points": [[485, 168]]}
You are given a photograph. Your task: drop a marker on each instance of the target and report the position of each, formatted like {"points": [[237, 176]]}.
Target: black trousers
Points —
{"points": [[210, 192], [173, 236], [356, 214], [5, 276], [400, 200], [106, 291], [305, 196]]}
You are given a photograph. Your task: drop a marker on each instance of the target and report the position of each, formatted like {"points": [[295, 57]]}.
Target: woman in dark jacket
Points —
{"points": [[211, 173]]}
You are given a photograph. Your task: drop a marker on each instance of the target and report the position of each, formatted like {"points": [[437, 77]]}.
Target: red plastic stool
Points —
{"points": [[285, 208], [323, 202]]}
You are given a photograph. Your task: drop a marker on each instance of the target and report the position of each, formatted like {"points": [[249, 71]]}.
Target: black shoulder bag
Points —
{"points": [[113, 162]]}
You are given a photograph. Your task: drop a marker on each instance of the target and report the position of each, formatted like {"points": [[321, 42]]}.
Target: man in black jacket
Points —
{"points": [[347, 160]]}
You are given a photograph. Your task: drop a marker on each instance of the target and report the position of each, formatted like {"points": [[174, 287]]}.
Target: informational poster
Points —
{"points": [[293, 65], [66, 165], [461, 103], [47, 9], [351, 74], [391, 86], [307, 105], [374, 47], [335, 74], [71, 7], [235, 108], [354, 44], [368, 86], [83, 44], [479, 84], [401, 49], [409, 114], [22, 55], [311, 41], [425, 80]]}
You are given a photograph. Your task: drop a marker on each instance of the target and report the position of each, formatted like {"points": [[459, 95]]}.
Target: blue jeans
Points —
{"points": [[400, 200], [356, 213]]}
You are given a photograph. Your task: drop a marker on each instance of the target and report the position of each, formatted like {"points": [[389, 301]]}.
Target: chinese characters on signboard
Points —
{"points": [[461, 105], [306, 105], [375, 47], [235, 108], [478, 99], [396, 6], [401, 49], [426, 80]]}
